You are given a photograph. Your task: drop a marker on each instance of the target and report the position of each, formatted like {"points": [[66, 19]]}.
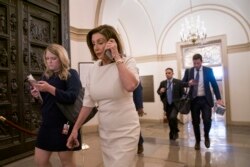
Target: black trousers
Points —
{"points": [[199, 105], [141, 140], [172, 113]]}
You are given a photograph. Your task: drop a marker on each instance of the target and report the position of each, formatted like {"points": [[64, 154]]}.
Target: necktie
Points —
{"points": [[169, 92], [195, 87]]}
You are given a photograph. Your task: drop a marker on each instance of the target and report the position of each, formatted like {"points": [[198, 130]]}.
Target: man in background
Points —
{"points": [[170, 91], [138, 100], [199, 78]]}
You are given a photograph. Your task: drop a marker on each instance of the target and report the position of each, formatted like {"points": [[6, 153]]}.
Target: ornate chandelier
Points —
{"points": [[193, 30]]}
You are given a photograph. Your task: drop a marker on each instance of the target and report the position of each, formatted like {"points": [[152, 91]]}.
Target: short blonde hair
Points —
{"points": [[62, 54]]}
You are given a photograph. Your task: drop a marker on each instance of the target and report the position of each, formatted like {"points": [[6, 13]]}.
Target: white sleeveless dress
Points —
{"points": [[118, 119]]}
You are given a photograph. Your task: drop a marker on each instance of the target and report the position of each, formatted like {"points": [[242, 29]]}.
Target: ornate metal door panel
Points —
{"points": [[26, 28]]}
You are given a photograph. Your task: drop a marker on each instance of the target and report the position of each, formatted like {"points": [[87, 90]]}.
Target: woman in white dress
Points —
{"points": [[110, 85]]}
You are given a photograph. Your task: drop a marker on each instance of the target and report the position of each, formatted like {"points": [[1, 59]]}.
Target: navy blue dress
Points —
{"points": [[50, 135]]}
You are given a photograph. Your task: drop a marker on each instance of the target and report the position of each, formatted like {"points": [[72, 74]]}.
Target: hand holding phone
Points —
{"points": [[109, 54], [34, 91]]}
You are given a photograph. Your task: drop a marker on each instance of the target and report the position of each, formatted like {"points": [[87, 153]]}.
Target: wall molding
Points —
{"points": [[146, 120], [78, 34], [237, 123], [239, 48], [173, 56], [155, 58]]}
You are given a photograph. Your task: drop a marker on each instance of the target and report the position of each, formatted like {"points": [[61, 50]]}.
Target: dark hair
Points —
{"points": [[169, 69], [197, 56], [108, 32]]}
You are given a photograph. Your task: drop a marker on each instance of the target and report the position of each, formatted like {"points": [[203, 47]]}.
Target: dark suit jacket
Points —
{"points": [[178, 91], [209, 79], [137, 97]]}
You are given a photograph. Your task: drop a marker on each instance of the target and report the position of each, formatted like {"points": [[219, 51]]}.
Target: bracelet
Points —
{"points": [[120, 61]]}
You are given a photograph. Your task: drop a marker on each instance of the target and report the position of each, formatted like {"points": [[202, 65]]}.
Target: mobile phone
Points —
{"points": [[109, 54]]}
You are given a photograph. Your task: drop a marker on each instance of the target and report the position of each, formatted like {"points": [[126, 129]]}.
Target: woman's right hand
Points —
{"points": [[72, 141]]}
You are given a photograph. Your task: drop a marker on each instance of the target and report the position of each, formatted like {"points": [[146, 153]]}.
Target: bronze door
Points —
{"points": [[26, 28]]}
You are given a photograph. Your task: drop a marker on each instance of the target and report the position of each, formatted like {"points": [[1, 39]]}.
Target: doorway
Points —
{"points": [[27, 27], [212, 54]]}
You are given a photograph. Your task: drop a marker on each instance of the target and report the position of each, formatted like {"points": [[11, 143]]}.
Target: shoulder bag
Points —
{"points": [[71, 111], [185, 101], [184, 104]]}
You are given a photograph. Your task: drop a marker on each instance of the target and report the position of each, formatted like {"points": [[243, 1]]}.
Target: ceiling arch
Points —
{"points": [[237, 17], [152, 27]]}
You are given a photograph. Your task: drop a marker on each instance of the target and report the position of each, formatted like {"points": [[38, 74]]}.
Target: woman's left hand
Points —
{"points": [[140, 112], [112, 46], [43, 86]]}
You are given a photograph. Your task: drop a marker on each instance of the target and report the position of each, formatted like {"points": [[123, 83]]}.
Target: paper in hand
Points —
{"points": [[32, 82]]}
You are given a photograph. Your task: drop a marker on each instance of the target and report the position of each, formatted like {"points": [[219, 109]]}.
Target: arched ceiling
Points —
{"points": [[151, 27]]}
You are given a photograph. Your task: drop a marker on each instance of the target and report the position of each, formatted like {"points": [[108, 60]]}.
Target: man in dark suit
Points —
{"points": [[199, 78], [138, 100], [170, 91]]}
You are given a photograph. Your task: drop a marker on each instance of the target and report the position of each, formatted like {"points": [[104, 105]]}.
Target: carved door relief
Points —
{"points": [[26, 29]]}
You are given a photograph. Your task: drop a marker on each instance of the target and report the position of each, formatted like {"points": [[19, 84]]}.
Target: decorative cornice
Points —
{"points": [[78, 34], [239, 48], [155, 58], [169, 57]]}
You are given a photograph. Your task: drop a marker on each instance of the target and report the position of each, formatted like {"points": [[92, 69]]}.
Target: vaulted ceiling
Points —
{"points": [[152, 27]]}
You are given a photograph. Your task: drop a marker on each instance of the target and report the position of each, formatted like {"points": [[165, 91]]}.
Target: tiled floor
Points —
{"points": [[230, 147]]}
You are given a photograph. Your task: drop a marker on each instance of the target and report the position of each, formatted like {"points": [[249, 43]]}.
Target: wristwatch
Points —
{"points": [[120, 61]]}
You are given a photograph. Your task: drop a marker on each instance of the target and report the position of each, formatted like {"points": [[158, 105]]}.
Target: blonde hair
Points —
{"points": [[62, 54]]}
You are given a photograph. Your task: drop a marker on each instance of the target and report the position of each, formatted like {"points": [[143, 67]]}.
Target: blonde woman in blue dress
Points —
{"points": [[110, 85]]}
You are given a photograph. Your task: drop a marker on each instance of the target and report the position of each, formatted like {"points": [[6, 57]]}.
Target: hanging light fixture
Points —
{"points": [[193, 29]]}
